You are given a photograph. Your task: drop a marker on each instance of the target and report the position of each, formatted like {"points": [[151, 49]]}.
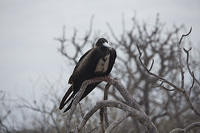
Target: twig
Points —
{"points": [[180, 55], [162, 86], [188, 66], [43, 111], [186, 129], [193, 79], [78, 47], [4, 126], [156, 76], [184, 35], [191, 73], [190, 104], [182, 90]]}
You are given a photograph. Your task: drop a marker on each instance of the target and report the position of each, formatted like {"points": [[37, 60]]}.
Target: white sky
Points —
{"points": [[28, 54]]}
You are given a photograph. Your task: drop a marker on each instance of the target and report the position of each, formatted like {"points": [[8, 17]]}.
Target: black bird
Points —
{"points": [[96, 62]]}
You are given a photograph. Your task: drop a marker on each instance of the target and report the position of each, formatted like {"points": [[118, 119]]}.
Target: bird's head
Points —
{"points": [[102, 42]]}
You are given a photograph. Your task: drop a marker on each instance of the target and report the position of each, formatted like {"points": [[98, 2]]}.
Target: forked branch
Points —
{"points": [[131, 105]]}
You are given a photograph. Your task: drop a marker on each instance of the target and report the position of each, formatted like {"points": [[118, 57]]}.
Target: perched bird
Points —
{"points": [[96, 62]]}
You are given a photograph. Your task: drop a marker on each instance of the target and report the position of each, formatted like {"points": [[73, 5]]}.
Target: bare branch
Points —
{"points": [[182, 75], [156, 76], [151, 65], [193, 80], [77, 98], [133, 108], [162, 86], [109, 103], [191, 73], [117, 122], [186, 129], [184, 35], [153, 43], [190, 104], [188, 66], [103, 111]]}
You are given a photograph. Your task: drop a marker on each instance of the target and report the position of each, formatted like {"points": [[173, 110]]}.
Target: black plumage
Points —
{"points": [[96, 62]]}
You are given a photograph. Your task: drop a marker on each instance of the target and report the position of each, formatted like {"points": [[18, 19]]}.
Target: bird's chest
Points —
{"points": [[102, 65]]}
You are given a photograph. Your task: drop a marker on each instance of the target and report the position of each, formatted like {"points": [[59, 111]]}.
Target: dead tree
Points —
{"points": [[154, 43], [154, 93], [131, 107]]}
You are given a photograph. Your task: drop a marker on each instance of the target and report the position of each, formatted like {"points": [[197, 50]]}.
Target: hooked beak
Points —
{"points": [[107, 44]]}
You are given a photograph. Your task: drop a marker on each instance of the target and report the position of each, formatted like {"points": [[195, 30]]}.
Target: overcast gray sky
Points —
{"points": [[28, 52]]}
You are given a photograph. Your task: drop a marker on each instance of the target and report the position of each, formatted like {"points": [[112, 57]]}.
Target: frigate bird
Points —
{"points": [[96, 62]]}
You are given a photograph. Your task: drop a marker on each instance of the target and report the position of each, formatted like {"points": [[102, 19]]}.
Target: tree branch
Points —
{"points": [[103, 111], [132, 106], [117, 122], [186, 129], [109, 103]]}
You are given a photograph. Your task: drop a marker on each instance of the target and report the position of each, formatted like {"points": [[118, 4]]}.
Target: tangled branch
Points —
{"points": [[131, 105]]}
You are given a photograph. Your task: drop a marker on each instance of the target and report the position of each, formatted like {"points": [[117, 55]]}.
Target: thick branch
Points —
{"points": [[133, 108], [76, 100], [103, 111], [134, 113], [117, 122]]}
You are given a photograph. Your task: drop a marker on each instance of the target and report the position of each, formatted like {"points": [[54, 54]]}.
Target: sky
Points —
{"points": [[28, 51]]}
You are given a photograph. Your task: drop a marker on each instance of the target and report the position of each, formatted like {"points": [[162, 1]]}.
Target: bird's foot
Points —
{"points": [[107, 78], [96, 79], [111, 79]]}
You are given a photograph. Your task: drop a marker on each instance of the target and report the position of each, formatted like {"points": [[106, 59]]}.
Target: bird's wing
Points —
{"points": [[77, 65], [82, 58], [113, 56], [86, 65], [86, 69]]}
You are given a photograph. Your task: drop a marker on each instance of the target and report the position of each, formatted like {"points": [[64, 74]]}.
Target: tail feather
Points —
{"points": [[69, 106], [73, 94], [63, 103], [87, 91]]}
